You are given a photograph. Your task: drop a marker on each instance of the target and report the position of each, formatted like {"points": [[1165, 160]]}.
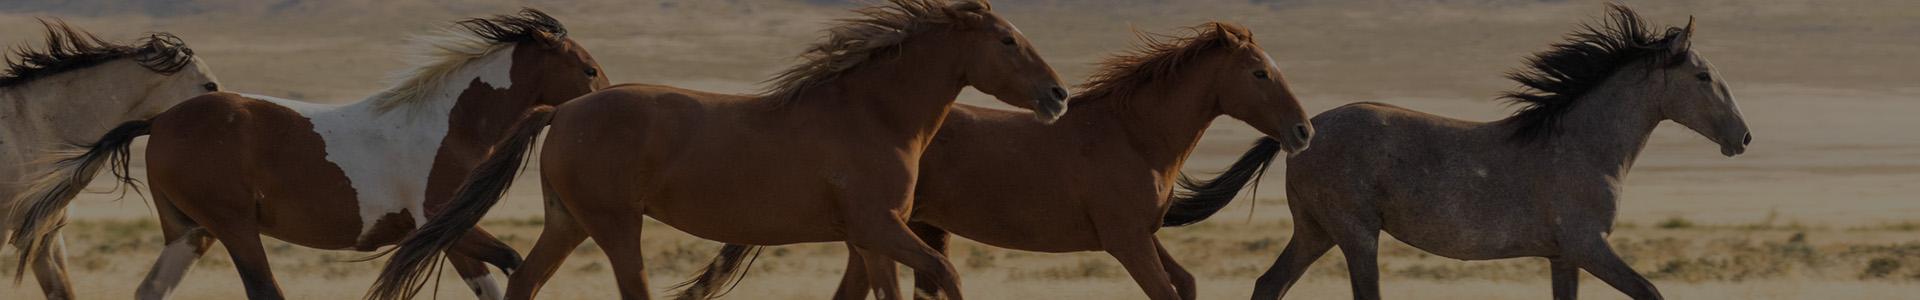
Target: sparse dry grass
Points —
{"points": [[1226, 255]]}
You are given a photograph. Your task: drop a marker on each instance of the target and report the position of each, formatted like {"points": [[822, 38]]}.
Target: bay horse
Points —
{"points": [[70, 92], [1545, 182], [829, 153], [1133, 125], [231, 167]]}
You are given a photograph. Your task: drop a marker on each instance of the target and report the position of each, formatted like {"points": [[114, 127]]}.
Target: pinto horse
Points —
{"points": [[1146, 110], [231, 167], [829, 154], [74, 90], [1543, 183]]}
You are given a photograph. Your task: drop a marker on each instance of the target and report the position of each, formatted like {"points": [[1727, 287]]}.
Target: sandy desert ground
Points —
{"points": [[1822, 205]]}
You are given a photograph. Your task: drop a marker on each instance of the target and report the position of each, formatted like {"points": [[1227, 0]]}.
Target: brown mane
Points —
{"points": [[69, 49], [853, 41], [1555, 79], [1157, 56]]}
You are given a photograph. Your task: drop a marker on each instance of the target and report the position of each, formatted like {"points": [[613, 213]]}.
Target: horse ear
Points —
{"points": [[972, 14], [547, 38], [1679, 43], [1233, 35]]}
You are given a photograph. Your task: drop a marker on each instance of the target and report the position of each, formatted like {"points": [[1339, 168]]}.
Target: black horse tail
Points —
{"points": [[41, 208], [409, 269], [725, 270], [1199, 199]]}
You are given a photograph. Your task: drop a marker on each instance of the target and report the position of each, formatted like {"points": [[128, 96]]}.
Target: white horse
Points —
{"points": [[64, 96]]}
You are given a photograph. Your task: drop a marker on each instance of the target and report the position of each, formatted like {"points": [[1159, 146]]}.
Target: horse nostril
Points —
{"points": [[1748, 140], [1300, 130], [1059, 93]]}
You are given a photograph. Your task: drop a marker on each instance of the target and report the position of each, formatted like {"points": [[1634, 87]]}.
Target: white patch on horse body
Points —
{"points": [[485, 287], [387, 156]]}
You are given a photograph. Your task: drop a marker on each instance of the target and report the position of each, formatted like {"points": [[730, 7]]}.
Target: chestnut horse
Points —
{"points": [[1543, 183], [1146, 110], [71, 92], [829, 154], [231, 167]]}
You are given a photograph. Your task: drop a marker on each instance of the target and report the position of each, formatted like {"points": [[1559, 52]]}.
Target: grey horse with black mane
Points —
{"points": [[1545, 182]]}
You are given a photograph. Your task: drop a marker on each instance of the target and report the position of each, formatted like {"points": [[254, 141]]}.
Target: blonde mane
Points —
{"points": [[853, 41], [439, 55]]}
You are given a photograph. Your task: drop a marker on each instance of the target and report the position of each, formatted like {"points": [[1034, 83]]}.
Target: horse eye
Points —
{"points": [[1704, 76], [1261, 74], [591, 72], [1007, 41], [211, 87]]}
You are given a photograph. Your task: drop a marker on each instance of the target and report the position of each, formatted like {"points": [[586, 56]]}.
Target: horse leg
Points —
{"points": [[1308, 243], [1182, 281], [470, 255], [481, 245], [186, 243], [50, 269], [1594, 255], [616, 228], [1138, 253], [883, 235], [925, 287], [475, 274], [557, 240], [881, 277], [178, 257], [1566, 279], [1358, 238], [853, 281], [250, 259]]}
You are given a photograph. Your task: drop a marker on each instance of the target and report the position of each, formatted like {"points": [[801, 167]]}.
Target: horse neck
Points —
{"points": [[77, 106], [907, 95], [477, 100], [1163, 121], [1610, 124]]}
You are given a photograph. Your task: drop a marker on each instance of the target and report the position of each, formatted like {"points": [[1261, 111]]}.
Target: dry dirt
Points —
{"points": [[1822, 205]]}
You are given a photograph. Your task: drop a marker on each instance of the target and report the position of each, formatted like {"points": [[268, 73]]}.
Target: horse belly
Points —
{"points": [[1470, 228], [737, 214]]}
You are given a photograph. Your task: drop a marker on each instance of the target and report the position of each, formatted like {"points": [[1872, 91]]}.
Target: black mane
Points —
{"points": [[1555, 79], [69, 49]]}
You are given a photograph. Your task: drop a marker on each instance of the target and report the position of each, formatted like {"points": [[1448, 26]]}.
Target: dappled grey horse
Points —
{"points": [[1545, 182]]}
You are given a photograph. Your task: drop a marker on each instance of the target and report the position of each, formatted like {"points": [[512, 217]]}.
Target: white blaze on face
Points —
{"points": [[387, 156]]}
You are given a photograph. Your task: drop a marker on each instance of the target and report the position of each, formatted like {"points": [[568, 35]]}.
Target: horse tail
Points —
{"points": [[1199, 199], [408, 271], [726, 270], [41, 209]]}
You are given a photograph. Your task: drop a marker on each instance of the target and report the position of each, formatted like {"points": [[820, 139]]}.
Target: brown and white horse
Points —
{"points": [[830, 154], [64, 96], [231, 167], [1132, 128]]}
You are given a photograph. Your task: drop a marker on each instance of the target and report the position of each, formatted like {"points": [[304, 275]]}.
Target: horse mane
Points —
{"points": [[1157, 56], [853, 41], [68, 49], [1555, 79], [442, 54]]}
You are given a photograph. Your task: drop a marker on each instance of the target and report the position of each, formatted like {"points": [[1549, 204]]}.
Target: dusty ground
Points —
{"points": [[1835, 161]]}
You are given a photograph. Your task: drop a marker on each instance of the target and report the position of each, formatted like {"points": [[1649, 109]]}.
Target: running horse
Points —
{"points": [[72, 91], [1545, 182], [1133, 125], [230, 167], [830, 153]]}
